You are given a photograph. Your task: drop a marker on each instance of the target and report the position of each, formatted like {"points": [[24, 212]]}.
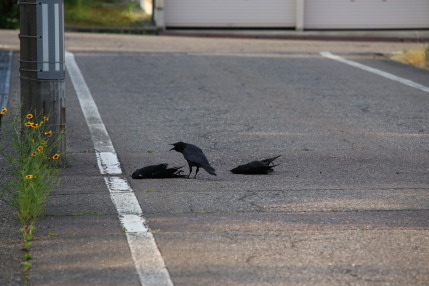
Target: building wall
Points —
{"points": [[366, 14], [299, 14], [229, 13]]}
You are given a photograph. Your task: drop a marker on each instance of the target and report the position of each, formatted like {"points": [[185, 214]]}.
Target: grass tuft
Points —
{"points": [[150, 191], [415, 57]]}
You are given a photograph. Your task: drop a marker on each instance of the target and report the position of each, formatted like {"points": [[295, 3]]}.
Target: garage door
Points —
{"points": [[366, 14], [229, 13]]}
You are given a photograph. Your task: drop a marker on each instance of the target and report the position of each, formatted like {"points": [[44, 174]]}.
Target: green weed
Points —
{"points": [[34, 173], [26, 256], [99, 213], [26, 265], [78, 213]]}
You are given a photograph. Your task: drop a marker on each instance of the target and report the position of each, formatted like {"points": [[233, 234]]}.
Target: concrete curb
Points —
{"points": [[420, 35], [342, 35], [147, 30]]}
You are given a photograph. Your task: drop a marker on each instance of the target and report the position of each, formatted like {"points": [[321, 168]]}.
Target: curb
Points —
{"points": [[419, 36], [342, 35], [147, 30]]}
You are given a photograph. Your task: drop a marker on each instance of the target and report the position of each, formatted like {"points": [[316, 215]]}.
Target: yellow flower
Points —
{"points": [[29, 116], [34, 125], [33, 154], [45, 118], [40, 148], [43, 142], [3, 111], [56, 156], [29, 177], [48, 132], [29, 124]]}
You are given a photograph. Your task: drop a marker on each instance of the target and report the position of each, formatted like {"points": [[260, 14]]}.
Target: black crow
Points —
{"points": [[157, 172], [256, 167], [195, 157]]}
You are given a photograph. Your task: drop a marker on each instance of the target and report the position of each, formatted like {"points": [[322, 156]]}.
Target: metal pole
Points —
{"points": [[42, 62]]}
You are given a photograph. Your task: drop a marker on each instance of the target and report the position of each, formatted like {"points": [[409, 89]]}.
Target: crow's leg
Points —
{"points": [[198, 168], [190, 170]]}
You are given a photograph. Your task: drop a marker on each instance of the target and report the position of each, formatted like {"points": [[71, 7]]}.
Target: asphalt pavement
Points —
{"points": [[348, 204]]}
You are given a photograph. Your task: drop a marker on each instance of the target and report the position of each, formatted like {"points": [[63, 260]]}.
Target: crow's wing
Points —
{"points": [[255, 167], [146, 172], [174, 172], [195, 155]]}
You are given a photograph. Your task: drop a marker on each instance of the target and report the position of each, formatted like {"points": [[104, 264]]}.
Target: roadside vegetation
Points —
{"points": [[9, 14], [104, 13], [32, 174], [418, 57], [86, 13]]}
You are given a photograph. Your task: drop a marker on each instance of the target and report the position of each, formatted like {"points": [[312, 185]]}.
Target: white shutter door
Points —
{"points": [[229, 13], [366, 14]]}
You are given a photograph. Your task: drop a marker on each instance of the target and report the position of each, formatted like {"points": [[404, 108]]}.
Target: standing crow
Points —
{"points": [[256, 167], [157, 172], [194, 156]]}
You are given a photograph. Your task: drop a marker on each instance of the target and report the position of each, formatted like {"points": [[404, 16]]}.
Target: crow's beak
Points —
{"points": [[173, 147]]}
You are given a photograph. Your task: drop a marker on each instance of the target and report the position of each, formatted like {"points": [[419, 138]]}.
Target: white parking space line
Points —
{"points": [[375, 71], [149, 263]]}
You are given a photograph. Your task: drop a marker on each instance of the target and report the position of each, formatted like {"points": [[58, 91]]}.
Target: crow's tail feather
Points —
{"points": [[269, 160], [210, 170]]}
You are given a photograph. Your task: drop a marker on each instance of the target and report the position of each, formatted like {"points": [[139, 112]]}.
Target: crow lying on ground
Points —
{"points": [[194, 156], [256, 167], [158, 172]]}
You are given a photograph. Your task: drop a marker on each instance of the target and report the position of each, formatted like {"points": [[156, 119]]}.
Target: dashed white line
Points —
{"points": [[375, 71], [149, 263]]}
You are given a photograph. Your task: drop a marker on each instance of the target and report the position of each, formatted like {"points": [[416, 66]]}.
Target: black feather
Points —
{"points": [[261, 167], [194, 156], [158, 172]]}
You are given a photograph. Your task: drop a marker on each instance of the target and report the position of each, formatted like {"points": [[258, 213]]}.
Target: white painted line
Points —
{"points": [[142, 243], [117, 184], [108, 163], [126, 203], [148, 260], [132, 224], [375, 71]]}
